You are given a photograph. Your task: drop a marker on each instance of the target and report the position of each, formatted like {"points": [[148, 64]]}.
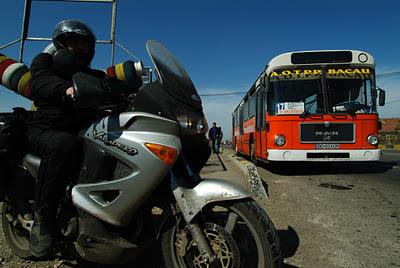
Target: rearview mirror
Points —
{"points": [[88, 91], [263, 82], [381, 97]]}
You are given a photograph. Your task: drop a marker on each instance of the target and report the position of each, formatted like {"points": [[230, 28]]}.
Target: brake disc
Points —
{"points": [[222, 244]]}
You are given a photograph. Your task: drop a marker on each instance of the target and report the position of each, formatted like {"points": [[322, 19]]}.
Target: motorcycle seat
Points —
{"points": [[31, 162]]}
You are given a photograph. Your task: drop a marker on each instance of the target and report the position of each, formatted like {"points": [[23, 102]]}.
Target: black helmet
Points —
{"points": [[75, 28]]}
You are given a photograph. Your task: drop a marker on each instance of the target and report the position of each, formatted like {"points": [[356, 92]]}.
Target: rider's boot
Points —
{"points": [[42, 236]]}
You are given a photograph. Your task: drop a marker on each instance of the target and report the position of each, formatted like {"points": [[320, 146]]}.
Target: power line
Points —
{"points": [[390, 102], [387, 74], [382, 75], [222, 94]]}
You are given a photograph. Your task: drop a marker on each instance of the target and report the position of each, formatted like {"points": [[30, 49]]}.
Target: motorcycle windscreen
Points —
{"points": [[184, 103]]}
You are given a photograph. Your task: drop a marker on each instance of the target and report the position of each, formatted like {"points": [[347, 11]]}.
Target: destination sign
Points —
{"points": [[316, 73]]}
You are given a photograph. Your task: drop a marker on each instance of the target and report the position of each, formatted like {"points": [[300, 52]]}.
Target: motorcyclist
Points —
{"points": [[52, 130]]}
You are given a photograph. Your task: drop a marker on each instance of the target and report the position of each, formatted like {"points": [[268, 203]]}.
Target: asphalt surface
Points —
{"points": [[327, 215], [337, 215]]}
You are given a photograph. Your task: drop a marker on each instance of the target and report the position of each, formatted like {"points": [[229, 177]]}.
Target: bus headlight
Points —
{"points": [[280, 140], [373, 140]]}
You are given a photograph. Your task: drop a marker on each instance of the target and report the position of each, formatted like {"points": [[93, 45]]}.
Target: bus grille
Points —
{"points": [[327, 132]]}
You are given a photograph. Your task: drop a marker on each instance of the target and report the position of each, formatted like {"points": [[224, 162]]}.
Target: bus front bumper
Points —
{"points": [[324, 155]]}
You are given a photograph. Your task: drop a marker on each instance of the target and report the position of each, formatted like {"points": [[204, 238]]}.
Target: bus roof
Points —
{"points": [[320, 57]]}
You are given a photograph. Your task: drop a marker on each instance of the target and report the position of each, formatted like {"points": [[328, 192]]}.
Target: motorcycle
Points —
{"points": [[140, 187]]}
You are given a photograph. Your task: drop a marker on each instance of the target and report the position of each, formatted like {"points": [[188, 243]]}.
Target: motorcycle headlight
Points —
{"points": [[373, 140], [280, 140], [193, 124]]}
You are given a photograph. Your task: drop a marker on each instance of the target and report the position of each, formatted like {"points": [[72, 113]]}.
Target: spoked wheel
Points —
{"points": [[240, 235], [16, 232]]}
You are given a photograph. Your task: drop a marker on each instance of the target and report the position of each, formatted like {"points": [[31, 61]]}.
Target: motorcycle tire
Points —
{"points": [[16, 237], [240, 234]]}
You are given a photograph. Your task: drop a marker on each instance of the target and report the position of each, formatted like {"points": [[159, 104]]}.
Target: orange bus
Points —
{"points": [[311, 106]]}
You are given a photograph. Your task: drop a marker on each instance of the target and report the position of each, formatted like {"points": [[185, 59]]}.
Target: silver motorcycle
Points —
{"points": [[139, 187]]}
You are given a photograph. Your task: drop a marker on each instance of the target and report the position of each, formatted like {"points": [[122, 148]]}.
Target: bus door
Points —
{"points": [[261, 133]]}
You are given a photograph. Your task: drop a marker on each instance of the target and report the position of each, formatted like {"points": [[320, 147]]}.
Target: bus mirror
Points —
{"points": [[262, 81], [381, 97]]}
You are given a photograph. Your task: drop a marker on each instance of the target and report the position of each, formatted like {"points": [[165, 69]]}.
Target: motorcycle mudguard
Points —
{"points": [[191, 201]]}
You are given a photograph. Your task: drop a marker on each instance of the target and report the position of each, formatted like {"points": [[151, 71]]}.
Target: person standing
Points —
{"points": [[219, 136], [212, 135]]}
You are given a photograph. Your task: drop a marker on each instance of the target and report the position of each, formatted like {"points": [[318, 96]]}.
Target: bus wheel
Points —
{"points": [[237, 150], [253, 153]]}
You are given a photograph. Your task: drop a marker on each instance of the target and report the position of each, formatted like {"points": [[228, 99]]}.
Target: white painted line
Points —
{"points": [[391, 154]]}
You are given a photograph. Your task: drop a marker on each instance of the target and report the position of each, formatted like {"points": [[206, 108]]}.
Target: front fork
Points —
{"points": [[191, 201], [206, 253]]}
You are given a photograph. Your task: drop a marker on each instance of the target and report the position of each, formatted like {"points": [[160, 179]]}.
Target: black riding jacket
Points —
{"points": [[48, 87]]}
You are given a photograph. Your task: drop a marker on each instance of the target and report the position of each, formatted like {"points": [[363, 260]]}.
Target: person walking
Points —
{"points": [[212, 135]]}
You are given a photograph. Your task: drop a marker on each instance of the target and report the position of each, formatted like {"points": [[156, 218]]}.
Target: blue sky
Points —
{"points": [[223, 44]]}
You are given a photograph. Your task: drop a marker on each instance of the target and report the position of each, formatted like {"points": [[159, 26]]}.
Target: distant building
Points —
{"points": [[390, 125], [389, 135]]}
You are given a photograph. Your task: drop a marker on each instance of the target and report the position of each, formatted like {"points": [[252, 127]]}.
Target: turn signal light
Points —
{"points": [[167, 154]]}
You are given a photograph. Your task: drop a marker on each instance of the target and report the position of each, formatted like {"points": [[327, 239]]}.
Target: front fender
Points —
{"points": [[191, 201]]}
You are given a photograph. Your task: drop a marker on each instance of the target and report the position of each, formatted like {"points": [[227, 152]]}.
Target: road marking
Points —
{"points": [[391, 154]]}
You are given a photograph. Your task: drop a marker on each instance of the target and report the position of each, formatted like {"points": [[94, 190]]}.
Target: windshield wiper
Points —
{"points": [[350, 108], [307, 110]]}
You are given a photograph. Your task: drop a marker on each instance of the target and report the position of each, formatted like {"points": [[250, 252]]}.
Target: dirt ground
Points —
{"points": [[327, 215]]}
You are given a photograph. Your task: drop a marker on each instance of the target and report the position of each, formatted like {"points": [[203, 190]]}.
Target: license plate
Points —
{"points": [[325, 146]]}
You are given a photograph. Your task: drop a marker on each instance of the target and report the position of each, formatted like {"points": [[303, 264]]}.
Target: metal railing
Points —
{"points": [[25, 27]]}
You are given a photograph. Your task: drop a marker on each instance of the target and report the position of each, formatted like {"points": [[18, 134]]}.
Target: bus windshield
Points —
{"points": [[295, 92], [317, 91], [350, 92]]}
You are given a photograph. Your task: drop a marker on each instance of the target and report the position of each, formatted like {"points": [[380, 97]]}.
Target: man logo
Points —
{"points": [[327, 138]]}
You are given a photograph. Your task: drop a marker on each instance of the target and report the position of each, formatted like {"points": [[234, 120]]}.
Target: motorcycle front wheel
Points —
{"points": [[239, 233]]}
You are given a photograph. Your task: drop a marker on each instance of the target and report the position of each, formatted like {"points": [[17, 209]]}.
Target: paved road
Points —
{"points": [[337, 215], [327, 215], [333, 214]]}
